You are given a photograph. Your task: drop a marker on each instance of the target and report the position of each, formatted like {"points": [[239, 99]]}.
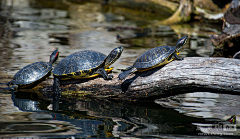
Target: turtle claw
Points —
{"points": [[179, 58]]}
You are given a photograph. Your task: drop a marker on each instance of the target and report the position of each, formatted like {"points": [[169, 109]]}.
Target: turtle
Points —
{"points": [[85, 64], [32, 74], [155, 57]]}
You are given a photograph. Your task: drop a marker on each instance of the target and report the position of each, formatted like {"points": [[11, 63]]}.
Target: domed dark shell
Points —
{"points": [[31, 73], [83, 60], [153, 57]]}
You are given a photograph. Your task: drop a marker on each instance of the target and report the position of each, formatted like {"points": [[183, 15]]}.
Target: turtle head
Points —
{"points": [[113, 56], [180, 43], [54, 56]]}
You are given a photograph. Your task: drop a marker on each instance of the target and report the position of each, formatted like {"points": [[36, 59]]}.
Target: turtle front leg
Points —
{"points": [[102, 72], [178, 58], [13, 87]]}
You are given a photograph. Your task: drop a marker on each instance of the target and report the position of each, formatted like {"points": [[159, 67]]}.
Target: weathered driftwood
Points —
{"points": [[183, 10], [197, 9], [210, 10], [182, 14], [191, 74], [231, 28]]}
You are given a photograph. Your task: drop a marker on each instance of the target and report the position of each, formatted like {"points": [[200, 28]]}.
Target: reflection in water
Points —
{"points": [[26, 104], [203, 104], [104, 118], [216, 108], [129, 119], [17, 123], [44, 123]]}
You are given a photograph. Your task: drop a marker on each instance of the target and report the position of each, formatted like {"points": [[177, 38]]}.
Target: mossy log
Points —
{"points": [[189, 75]]}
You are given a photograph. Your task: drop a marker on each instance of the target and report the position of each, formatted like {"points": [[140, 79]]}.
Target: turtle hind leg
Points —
{"points": [[56, 86], [124, 74], [57, 93], [55, 102], [102, 72]]}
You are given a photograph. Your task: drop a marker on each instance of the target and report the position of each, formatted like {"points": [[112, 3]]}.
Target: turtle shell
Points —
{"points": [[31, 73], [155, 57], [78, 63]]}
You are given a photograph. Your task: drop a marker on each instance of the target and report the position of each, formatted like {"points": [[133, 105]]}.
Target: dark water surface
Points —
{"points": [[31, 29]]}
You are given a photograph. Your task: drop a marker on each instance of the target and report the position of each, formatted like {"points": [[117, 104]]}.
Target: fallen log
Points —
{"points": [[181, 10], [210, 10], [188, 75], [192, 74], [182, 14]]}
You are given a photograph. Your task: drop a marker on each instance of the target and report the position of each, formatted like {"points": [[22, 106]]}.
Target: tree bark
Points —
{"points": [[189, 75]]}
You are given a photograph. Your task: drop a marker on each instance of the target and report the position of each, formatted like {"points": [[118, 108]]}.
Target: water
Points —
{"points": [[31, 30]]}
